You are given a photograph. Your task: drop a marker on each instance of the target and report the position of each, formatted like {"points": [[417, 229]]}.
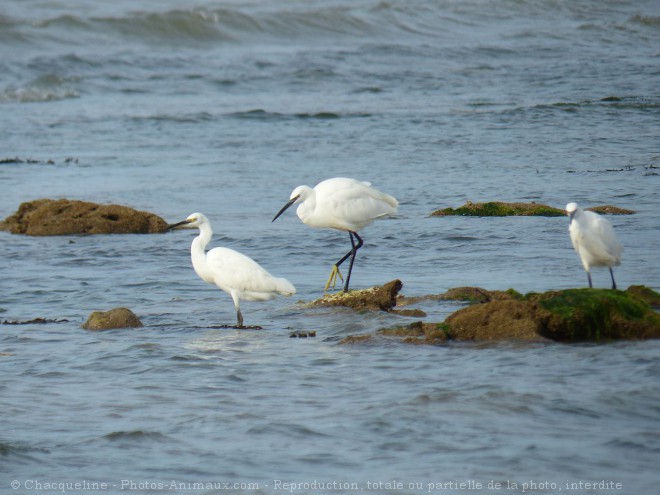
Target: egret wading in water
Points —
{"points": [[342, 204], [594, 240], [236, 274]]}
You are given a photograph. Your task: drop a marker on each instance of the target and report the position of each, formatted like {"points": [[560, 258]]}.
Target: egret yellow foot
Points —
{"points": [[332, 280]]}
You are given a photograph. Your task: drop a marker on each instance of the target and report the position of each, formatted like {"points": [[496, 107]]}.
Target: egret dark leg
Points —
{"points": [[589, 277], [335, 268], [353, 252], [613, 282], [345, 257], [239, 318]]}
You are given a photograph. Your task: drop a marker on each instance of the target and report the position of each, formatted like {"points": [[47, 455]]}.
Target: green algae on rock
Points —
{"points": [[572, 315], [597, 315], [115, 318], [504, 209], [46, 217]]}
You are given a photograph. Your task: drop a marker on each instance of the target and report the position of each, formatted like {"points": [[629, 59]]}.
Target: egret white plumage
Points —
{"points": [[342, 204], [594, 240], [236, 274]]}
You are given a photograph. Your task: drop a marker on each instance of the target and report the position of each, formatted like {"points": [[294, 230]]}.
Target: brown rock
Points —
{"points": [[45, 217], [419, 333], [469, 294], [610, 210], [382, 297], [497, 320], [356, 339], [115, 318]]}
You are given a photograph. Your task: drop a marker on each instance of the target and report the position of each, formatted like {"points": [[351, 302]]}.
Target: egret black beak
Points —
{"points": [[178, 224], [284, 208]]}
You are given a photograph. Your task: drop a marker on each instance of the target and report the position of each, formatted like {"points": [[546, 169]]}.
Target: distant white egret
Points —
{"points": [[236, 274], [594, 240], [342, 204]]}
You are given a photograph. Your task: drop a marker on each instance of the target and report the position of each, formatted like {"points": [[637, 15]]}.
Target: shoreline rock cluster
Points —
{"points": [[571, 315]]}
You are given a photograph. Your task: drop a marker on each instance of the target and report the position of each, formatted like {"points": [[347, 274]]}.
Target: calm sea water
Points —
{"points": [[224, 107]]}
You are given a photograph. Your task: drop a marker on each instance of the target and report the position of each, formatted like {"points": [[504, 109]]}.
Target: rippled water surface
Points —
{"points": [[224, 107]]}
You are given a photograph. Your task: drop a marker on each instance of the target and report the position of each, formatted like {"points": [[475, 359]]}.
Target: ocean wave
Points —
{"points": [[45, 88], [641, 103], [646, 20], [241, 24]]}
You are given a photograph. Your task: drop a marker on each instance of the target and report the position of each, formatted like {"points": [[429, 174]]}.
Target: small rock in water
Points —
{"points": [[115, 318], [302, 334]]}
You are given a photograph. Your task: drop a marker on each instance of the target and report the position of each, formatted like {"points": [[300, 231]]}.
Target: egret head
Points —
{"points": [[299, 194], [571, 208], [192, 222]]}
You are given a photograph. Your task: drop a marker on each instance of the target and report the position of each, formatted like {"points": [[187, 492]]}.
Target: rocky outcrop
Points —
{"points": [[503, 209], [573, 315], [44, 217], [115, 318]]}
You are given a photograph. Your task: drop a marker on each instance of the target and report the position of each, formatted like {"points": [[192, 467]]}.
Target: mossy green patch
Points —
{"points": [[504, 209], [596, 315], [501, 209]]}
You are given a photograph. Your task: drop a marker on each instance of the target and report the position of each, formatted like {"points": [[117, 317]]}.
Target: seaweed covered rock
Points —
{"points": [[504, 209], [375, 298], [572, 315], [115, 318], [45, 217], [596, 315]]}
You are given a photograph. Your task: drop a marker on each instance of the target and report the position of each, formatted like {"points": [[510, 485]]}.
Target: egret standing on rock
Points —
{"points": [[594, 240], [236, 274], [342, 204]]}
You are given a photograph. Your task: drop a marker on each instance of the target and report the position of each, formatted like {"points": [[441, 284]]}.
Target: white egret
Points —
{"points": [[342, 204], [236, 274], [594, 240]]}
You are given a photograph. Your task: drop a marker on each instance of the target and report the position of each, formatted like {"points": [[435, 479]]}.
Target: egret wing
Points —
{"points": [[235, 271]]}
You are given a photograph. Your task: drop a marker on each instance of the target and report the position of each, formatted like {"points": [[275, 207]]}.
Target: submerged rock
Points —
{"points": [[419, 333], [44, 217], [375, 298], [34, 321], [503, 209], [115, 318], [467, 294], [356, 339]]}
